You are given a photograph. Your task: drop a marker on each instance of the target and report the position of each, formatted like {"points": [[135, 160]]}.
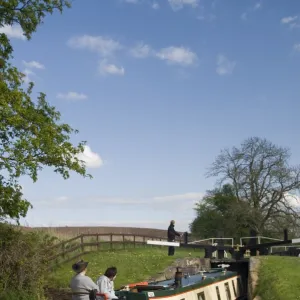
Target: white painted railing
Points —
{"points": [[213, 240], [258, 239]]}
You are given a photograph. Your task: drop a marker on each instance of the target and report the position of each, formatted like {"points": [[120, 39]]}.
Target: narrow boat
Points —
{"points": [[216, 284]]}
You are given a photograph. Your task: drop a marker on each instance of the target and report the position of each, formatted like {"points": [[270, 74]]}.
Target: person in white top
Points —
{"points": [[81, 285], [105, 283]]}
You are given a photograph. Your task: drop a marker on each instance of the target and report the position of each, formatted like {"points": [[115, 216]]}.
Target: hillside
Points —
{"points": [[68, 232], [133, 265], [279, 278]]}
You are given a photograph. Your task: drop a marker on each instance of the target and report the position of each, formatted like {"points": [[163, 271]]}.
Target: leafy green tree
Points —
{"points": [[261, 176], [31, 133], [220, 212]]}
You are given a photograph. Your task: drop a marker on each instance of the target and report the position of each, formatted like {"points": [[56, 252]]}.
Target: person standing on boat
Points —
{"points": [[81, 285], [106, 283], [172, 233]]}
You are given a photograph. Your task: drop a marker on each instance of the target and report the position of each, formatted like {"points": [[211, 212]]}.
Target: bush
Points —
{"points": [[23, 263]]}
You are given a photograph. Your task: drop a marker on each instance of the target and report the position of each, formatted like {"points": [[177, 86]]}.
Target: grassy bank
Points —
{"points": [[133, 265], [279, 278]]}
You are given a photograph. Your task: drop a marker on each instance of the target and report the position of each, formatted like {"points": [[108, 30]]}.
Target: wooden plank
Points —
{"points": [[81, 243], [66, 241], [91, 244], [175, 244]]}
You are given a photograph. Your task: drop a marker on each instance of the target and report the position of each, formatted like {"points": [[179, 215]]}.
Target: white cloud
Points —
{"points": [[33, 64], [106, 68], [185, 201], [175, 206], [172, 55], [224, 65], [257, 6], [179, 4], [289, 19], [155, 5], [178, 55], [90, 158], [187, 196], [27, 77], [61, 199], [297, 47], [177, 202], [14, 31], [244, 16], [141, 50], [293, 200], [72, 96], [102, 45], [208, 17]]}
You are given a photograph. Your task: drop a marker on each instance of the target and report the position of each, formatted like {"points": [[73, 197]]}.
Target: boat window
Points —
{"points": [[227, 289], [234, 290], [201, 296], [218, 293]]}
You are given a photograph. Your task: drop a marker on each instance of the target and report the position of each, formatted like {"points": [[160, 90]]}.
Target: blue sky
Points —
{"points": [[157, 89]]}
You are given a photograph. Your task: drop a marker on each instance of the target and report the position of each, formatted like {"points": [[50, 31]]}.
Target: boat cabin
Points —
{"points": [[216, 284]]}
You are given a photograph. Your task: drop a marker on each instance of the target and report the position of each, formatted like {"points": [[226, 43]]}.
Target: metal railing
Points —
{"points": [[213, 240], [285, 247], [258, 239], [213, 243]]}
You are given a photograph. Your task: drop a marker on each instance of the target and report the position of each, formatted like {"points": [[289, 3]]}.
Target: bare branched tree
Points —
{"points": [[260, 174]]}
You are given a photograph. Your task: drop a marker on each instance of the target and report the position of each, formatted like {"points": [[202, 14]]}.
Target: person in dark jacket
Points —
{"points": [[171, 237]]}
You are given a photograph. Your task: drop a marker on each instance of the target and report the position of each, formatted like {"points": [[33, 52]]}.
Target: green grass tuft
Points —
{"points": [[279, 278], [133, 265]]}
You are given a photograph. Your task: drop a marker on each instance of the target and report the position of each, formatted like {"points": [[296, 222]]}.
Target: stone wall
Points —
{"points": [[191, 265], [254, 264]]}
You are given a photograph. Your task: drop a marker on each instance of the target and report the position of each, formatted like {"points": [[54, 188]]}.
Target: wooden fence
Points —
{"points": [[73, 248]]}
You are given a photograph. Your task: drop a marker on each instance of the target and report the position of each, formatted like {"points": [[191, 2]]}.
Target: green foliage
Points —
{"points": [[262, 177], [133, 265], [279, 278], [220, 212], [31, 133], [23, 262]]}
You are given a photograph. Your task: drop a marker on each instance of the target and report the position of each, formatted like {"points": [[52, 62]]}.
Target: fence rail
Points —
{"points": [[73, 248]]}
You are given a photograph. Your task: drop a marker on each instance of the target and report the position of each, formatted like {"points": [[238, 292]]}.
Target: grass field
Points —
{"points": [[133, 264], [279, 278]]}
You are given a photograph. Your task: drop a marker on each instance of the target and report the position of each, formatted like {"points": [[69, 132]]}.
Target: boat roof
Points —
{"points": [[188, 280], [166, 288]]}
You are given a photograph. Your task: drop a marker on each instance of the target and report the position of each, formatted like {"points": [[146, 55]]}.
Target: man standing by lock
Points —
{"points": [[172, 233]]}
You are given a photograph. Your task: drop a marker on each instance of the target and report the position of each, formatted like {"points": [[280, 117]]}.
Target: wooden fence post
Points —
{"points": [[65, 252], [98, 242], [81, 243]]}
